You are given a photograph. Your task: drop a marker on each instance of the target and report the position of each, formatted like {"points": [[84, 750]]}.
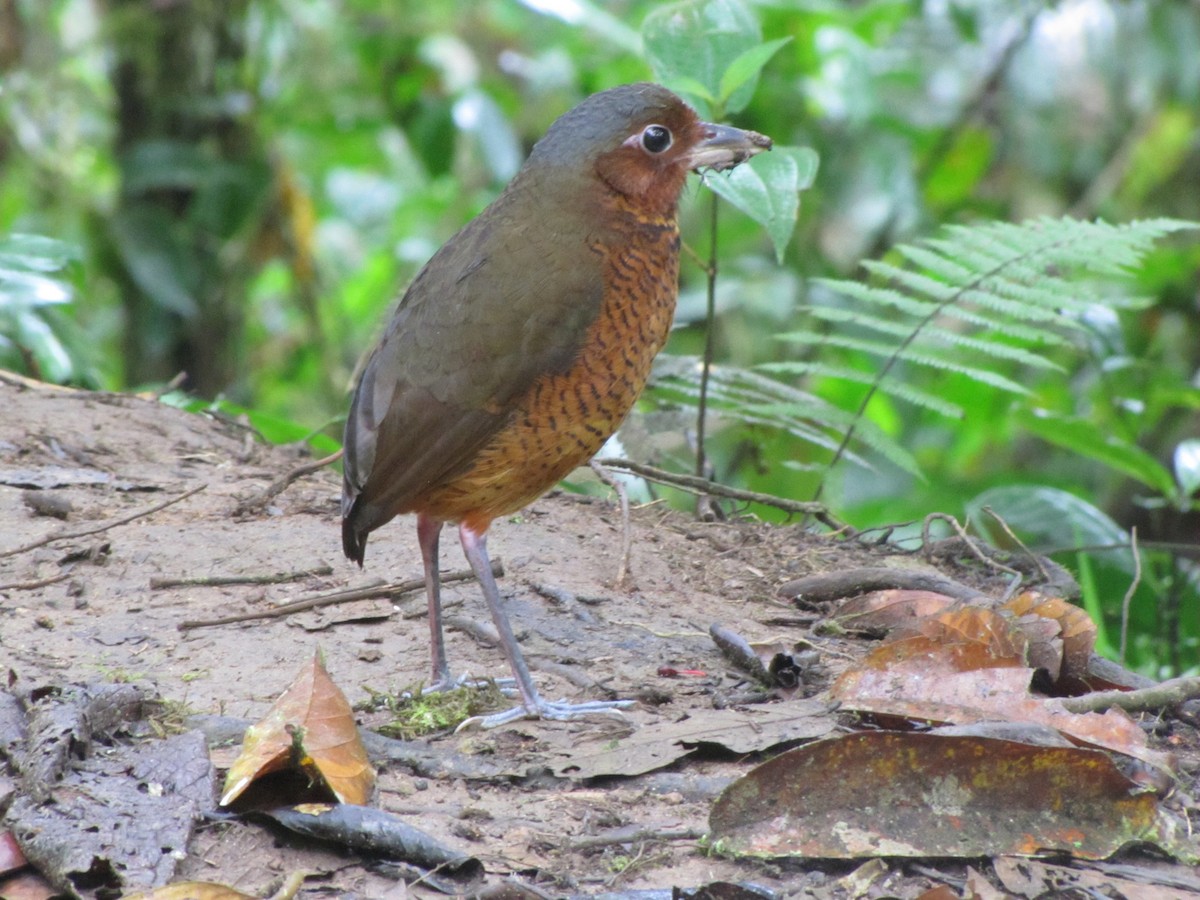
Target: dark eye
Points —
{"points": [[656, 138]]}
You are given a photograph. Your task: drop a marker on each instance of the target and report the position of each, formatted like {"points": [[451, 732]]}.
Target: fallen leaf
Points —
{"points": [[1077, 630], [1033, 878], [740, 731], [914, 794], [310, 727], [917, 680], [881, 611], [27, 886]]}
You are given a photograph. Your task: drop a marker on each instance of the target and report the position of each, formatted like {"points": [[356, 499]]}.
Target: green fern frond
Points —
{"points": [[1015, 285], [988, 303]]}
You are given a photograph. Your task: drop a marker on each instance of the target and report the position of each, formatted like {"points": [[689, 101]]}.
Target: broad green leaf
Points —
{"points": [[146, 241], [35, 253], [164, 165], [696, 42], [744, 70], [1090, 440], [767, 189], [1187, 467], [1045, 517]]}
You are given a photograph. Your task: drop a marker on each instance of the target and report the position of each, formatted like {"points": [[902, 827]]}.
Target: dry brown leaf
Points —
{"points": [[27, 886], [936, 692], [918, 794], [311, 726], [885, 610], [1077, 630]]}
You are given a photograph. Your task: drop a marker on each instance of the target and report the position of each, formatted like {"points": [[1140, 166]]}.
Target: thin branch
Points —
{"points": [[370, 592], [1133, 586], [704, 486], [626, 523], [646, 834], [710, 316], [96, 529], [987, 85], [34, 585], [275, 488], [226, 580], [1160, 696]]}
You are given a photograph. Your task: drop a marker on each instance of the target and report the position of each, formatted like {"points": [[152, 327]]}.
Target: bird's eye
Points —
{"points": [[656, 138]]}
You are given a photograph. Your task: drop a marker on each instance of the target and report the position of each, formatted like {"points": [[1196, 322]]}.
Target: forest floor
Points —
{"points": [[88, 608]]}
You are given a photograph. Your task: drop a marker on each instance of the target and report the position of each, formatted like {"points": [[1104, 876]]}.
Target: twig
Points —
{"points": [[225, 580], [1037, 560], [710, 327], [276, 487], [1168, 693], [646, 834], [704, 486], [626, 525], [974, 102], [839, 585], [971, 545], [96, 529], [1133, 586], [393, 589], [34, 585]]}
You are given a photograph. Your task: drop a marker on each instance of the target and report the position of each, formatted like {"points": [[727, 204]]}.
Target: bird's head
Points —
{"points": [[641, 141]]}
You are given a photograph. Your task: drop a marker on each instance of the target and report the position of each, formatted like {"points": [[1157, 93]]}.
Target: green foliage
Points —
{"points": [[379, 130], [35, 336]]}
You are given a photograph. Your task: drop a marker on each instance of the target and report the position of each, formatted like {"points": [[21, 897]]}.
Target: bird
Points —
{"points": [[524, 341]]}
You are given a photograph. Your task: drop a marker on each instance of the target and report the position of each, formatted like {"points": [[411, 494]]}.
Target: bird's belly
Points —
{"points": [[567, 416]]}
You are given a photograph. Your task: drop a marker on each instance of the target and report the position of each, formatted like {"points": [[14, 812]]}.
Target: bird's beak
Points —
{"points": [[724, 147]]}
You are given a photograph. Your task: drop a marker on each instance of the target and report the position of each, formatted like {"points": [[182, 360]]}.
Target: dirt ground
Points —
{"points": [[104, 618]]}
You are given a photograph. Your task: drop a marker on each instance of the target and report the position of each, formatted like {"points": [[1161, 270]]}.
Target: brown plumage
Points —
{"points": [[520, 347]]}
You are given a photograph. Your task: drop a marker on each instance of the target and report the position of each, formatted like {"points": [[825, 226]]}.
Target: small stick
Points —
{"points": [[224, 580], [96, 529], [276, 487], [646, 834], [34, 585], [626, 525], [1159, 696], [852, 582], [1133, 586], [1037, 560], [394, 589], [704, 486]]}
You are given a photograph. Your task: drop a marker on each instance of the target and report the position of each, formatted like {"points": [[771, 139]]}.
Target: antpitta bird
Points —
{"points": [[522, 344]]}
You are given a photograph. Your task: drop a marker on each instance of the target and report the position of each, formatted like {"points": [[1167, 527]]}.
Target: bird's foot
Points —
{"points": [[560, 711], [507, 686]]}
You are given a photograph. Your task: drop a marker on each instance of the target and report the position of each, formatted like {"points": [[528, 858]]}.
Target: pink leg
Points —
{"points": [[428, 532], [474, 545]]}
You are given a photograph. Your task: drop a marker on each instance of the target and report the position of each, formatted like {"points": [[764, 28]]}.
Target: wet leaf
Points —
{"points": [[310, 727], [916, 794]]}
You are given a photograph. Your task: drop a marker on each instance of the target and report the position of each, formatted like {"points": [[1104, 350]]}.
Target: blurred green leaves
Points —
{"points": [[34, 337]]}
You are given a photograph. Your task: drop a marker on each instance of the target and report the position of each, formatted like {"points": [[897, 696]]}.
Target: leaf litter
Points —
{"points": [[494, 795]]}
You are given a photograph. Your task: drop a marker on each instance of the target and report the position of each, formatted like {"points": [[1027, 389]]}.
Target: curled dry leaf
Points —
{"points": [[967, 666], [882, 611], [310, 726], [1076, 630]]}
